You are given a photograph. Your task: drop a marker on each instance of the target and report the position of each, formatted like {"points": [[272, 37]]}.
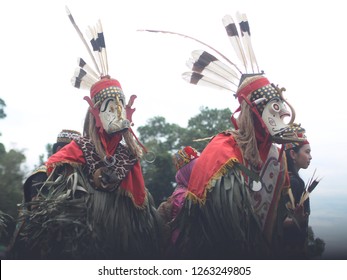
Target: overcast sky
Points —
{"points": [[300, 45]]}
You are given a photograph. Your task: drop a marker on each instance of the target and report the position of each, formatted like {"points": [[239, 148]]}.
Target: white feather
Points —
{"points": [[103, 49], [247, 43], [235, 40], [210, 71], [82, 37], [92, 35], [82, 84], [217, 66], [81, 63], [83, 75], [205, 81]]}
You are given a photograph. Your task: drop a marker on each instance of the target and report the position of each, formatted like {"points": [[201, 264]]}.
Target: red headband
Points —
{"points": [[102, 84], [243, 92]]}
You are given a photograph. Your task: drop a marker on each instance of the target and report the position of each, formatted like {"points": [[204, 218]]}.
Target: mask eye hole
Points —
{"points": [[106, 105], [275, 107]]}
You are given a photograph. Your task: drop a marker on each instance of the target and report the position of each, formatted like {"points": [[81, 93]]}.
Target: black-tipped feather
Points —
{"points": [[82, 37], [234, 38], [246, 39]]}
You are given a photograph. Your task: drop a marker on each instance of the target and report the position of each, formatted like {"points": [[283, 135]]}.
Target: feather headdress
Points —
{"points": [[98, 80], [244, 78], [234, 74], [222, 73], [85, 76]]}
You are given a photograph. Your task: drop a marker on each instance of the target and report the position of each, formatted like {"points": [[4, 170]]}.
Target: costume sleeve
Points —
{"points": [[178, 198]]}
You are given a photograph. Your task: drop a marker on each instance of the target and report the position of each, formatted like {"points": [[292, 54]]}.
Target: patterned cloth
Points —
{"points": [[127, 169]]}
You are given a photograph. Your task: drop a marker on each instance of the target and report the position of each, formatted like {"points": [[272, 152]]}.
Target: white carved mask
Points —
{"points": [[274, 115], [113, 115]]}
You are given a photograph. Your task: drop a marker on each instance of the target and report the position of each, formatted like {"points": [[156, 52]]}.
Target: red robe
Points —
{"points": [[72, 154]]}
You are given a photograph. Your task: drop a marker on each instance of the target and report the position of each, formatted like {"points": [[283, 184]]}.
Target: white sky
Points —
{"points": [[299, 44]]}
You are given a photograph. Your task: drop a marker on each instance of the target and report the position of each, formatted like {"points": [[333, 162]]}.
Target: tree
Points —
{"points": [[2, 115], [164, 139], [11, 175], [160, 134], [11, 180], [43, 158], [204, 125], [161, 138], [2, 106]]}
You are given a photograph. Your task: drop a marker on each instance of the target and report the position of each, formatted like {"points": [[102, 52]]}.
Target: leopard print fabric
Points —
{"points": [[122, 161]]}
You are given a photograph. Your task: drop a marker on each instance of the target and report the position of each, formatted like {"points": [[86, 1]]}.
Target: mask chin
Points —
{"points": [[117, 126]]}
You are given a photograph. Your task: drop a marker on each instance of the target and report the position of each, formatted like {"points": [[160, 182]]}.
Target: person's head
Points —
{"points": [[263, 114], [298, 155], [184, 160], [266, 102], [109, 106], [109, 117], [91, 129], [64, 137]]}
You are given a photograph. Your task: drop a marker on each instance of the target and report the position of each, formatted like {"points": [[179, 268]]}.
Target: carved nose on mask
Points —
{"points": [[119, 108]]}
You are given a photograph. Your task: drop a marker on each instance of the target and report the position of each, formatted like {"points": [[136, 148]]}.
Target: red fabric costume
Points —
{"points": [[133, 183]]}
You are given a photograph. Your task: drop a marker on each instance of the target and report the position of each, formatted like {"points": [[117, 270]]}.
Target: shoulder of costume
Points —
{"points": [[69, 154], [220, 155], [224, 146], [39, 169]]}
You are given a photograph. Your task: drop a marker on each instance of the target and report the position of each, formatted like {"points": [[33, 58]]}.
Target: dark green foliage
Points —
{"points": [[2, 106], [42, 157], [11, 175], [11, 180], [7, 224], [164, 139], [207, 124]]}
